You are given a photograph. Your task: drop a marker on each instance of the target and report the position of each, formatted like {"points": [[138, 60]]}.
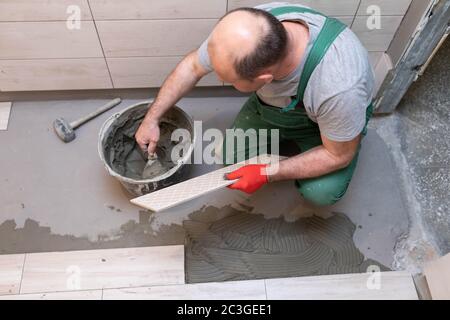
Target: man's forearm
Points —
{"points": [[310, 164], [177, 84]]}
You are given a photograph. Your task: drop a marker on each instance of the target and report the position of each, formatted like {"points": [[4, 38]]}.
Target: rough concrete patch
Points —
{"points": [[414, 248], [36, 238], [422, 125]]}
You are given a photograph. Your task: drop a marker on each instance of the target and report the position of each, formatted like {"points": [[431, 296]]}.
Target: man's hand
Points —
{"points": [[251, 178], [180, 81], [147, 136]]}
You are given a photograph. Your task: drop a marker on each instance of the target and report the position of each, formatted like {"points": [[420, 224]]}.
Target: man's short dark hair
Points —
{"points": [[270, 49]]}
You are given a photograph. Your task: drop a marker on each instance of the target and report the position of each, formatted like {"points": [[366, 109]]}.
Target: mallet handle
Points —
{"points": [[75, 124]]}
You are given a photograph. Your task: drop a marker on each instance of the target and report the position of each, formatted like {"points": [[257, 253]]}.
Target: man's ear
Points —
{"points": [[266, 78]]}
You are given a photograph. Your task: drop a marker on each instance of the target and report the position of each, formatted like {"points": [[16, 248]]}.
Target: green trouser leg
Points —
{"points": [[330, 188], [322, 191]]}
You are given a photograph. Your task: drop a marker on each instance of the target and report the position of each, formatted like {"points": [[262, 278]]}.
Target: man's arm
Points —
{"points": [[182, 79], [329, 157]]}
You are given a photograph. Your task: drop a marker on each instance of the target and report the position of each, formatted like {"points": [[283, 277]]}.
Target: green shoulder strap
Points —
{"points": [[330, 31]]}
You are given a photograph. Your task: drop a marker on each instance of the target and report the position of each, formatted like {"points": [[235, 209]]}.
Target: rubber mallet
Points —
{"points": [[66, 131]]}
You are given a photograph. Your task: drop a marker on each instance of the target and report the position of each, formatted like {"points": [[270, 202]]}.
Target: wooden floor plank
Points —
{"points": [[242, 290], [11, 266], [73, 295], [5, 110], [97, 269], [437, 274], [392, 286], [396, 285]]}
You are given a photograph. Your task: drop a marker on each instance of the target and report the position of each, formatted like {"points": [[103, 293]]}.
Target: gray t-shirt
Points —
{"points": [[340, 88]]}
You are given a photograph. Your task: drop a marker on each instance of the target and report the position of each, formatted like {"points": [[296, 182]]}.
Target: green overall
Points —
{"points": [[294, 124]]}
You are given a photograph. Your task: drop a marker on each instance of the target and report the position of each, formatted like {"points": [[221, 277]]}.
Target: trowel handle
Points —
{"points": [[75, 124], [146, 156]]}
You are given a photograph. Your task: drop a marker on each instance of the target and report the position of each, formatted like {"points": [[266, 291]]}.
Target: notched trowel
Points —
{"points": [[153, 167]]}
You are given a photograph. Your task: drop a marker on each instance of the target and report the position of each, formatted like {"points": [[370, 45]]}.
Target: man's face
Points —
{"points": [[244, 85], [228, 75]]}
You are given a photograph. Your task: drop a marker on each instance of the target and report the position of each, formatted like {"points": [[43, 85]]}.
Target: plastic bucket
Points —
{"points": [[138, 187]]}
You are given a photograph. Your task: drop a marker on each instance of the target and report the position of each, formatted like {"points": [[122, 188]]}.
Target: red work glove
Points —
{"points": [[251, 178]]}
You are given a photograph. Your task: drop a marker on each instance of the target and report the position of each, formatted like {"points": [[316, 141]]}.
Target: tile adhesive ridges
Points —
{"points": [[244, 246]]}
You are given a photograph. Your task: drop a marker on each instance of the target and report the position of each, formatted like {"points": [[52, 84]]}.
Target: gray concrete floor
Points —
{"points": [[57, 196], [423, 123], [416, 136]]}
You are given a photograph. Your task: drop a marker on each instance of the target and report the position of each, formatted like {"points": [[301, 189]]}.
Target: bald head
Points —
{"points": [[237, 35], [245, 41]]}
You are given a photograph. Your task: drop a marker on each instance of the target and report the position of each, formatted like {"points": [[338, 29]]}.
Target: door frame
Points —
{"points": [[433, 30]]}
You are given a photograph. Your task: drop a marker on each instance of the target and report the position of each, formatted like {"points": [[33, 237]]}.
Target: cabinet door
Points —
{"points": [[44, 40], [332, 8], [42, 10], [387, 7], [145, 72], [160, 9], [376, 39], [54, 74], [149, 38]]}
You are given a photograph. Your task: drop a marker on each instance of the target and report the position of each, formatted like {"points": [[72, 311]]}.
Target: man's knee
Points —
{"points": [[322, 191]]}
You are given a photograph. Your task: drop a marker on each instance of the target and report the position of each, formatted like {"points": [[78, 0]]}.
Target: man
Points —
{"points": [[311, 80]]}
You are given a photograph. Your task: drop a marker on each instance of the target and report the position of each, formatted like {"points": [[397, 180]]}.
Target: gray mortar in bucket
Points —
{"points": [[122, 158]]}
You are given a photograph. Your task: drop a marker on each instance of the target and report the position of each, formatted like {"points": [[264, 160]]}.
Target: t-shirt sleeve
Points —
{"points": [[343, 117], [203, 56]]}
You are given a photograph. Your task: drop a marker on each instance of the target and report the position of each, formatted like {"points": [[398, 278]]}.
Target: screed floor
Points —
{"points": [[59, 197]]}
